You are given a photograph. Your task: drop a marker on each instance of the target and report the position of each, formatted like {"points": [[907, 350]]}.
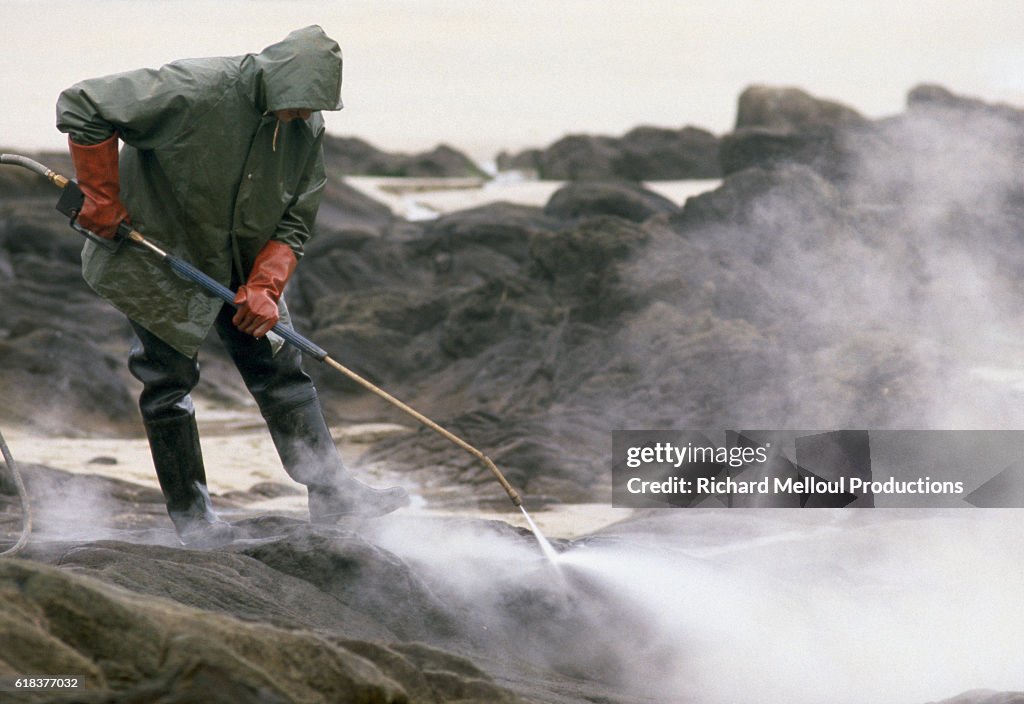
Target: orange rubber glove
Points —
{"points": [[257, 299], [97, 173]]}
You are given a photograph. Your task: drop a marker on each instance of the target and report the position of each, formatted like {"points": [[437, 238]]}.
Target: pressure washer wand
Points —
{"points": [[71, 202]]}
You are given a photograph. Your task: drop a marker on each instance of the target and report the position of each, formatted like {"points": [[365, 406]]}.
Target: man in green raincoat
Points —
{"points": [[222, 166]]}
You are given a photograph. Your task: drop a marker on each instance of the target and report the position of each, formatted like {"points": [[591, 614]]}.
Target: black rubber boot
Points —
{"points": [[178, 459], [308, 454]]}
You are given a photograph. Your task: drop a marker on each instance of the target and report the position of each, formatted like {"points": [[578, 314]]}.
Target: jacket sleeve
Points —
{"points": [[296, 225], [147, 107]]}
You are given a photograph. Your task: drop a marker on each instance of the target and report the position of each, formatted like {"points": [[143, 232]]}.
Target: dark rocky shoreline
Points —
{"points": [[847, 273]]}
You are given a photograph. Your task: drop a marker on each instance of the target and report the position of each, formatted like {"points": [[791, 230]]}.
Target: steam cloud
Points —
{"points": [[888, 298], [864, 607]]}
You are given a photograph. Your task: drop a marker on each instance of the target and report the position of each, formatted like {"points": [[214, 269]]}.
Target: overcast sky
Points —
{"points": [[490, 74]]}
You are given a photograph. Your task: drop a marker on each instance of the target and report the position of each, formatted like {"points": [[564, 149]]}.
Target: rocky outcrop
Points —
{"points": [[62, 347], [345, 208], [643, 154], [135, 648], [576, 157], [744, 288], [985, 696], [658, 154], [352, 156], [289, 612], [741, 201], [126, 646], [578, 200], [789, 109], [776, 126], [928, 96], [783, 125]]}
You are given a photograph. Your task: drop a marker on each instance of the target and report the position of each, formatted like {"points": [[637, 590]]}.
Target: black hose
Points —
{"points": [[26, 508]]}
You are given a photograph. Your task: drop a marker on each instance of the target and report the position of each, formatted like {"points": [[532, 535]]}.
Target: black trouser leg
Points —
{"points": [[288, 401], [168, 377], [290, 405], [275, 381]]}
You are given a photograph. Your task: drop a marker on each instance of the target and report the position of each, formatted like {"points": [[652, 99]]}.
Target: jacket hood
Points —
{"points": [[301, 71]]}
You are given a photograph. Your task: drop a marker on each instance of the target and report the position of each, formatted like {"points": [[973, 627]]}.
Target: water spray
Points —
{"points": [[545, 545], [70, 204]]}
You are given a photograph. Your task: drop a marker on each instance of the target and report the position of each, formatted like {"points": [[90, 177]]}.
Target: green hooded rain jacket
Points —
{"points": [[207, 172]]}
